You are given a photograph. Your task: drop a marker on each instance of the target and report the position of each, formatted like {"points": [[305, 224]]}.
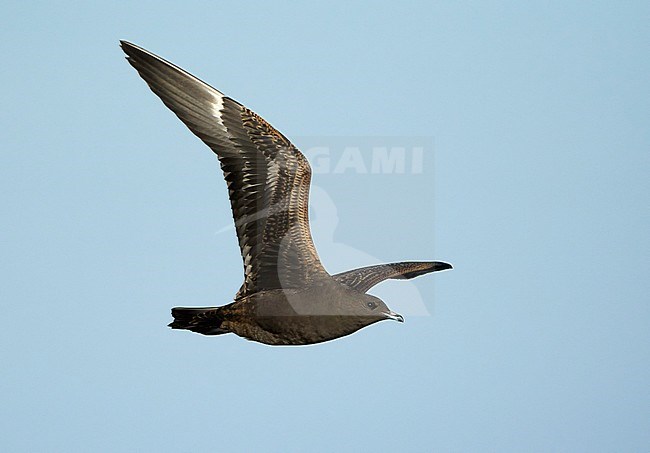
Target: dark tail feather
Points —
{"points": [[206, 320]]}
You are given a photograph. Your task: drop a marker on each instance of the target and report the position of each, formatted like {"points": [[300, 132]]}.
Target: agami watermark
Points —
{"points": [[366, 155]]}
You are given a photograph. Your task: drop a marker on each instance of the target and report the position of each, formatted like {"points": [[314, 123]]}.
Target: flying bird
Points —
{"points": [[287, 297]]}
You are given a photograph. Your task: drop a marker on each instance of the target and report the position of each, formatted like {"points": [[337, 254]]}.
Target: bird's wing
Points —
{"points": [[364, 278], [268, 178]]}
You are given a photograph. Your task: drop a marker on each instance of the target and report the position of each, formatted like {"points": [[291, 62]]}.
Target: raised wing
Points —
{"points": [[268, 178], [364, 278]]}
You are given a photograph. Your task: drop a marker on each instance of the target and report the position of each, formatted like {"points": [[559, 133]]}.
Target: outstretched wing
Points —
{"points": [[268, 178], [364, 278]]}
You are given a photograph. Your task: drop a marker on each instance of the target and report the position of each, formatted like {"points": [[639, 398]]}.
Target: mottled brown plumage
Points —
{"points": [[287, 297]]}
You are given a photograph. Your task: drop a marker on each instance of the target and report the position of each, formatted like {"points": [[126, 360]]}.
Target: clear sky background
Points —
{"points": [[536, 189]]}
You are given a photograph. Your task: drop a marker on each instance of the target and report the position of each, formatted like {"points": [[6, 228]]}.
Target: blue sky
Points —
{"points": [[534, 184]]}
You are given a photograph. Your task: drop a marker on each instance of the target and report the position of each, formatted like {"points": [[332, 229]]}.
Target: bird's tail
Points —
{"points": [[204, 320]]}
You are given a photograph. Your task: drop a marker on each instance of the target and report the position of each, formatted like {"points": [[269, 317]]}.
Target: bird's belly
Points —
{"points": [[282, 318], [291, 330]]}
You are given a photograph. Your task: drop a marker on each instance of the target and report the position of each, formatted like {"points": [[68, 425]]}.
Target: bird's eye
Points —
{"points": [[371, 305]]}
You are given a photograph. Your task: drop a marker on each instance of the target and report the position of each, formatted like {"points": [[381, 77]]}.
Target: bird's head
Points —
{"points": [[374, 308]]}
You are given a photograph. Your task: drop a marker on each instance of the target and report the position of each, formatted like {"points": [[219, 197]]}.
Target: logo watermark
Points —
{"points": [[366, 155], [342, 157]]}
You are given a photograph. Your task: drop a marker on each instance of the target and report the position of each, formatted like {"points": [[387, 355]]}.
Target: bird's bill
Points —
{"points": [[394, 316]]}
